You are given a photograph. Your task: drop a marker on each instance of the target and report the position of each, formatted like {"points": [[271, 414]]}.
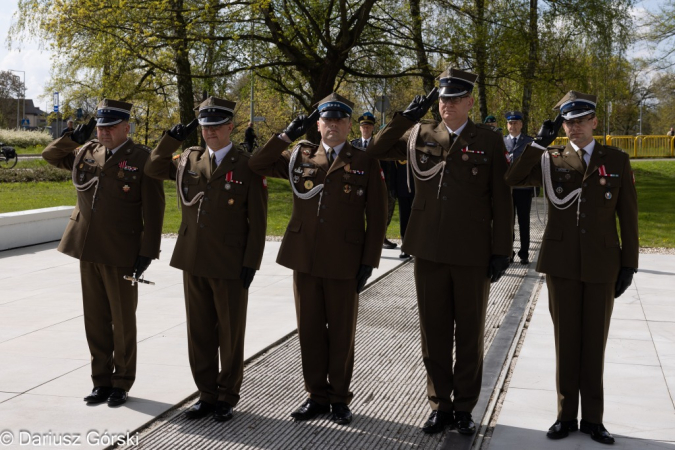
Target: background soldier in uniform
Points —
{"points": [[515, 143], [219, 248], [366, 125], [586, 265], [460, 233], [114, 231], [337, 191]]}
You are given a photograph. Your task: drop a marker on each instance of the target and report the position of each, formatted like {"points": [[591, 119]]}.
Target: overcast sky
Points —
{"points": [[36, 63]]}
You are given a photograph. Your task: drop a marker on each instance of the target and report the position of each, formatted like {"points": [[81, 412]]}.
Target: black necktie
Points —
{"points": [[108, 154], [515, 141], [365, 143], [582, 154], [331, 156], [214, 165]]}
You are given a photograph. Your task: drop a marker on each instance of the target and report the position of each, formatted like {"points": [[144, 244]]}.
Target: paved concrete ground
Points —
{"points": [[639, 372], [44, 358]]}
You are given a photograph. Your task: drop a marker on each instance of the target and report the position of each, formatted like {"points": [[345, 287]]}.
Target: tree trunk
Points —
{"points": [[184, 73], [480, 52], [530, 69], [428, 78]]}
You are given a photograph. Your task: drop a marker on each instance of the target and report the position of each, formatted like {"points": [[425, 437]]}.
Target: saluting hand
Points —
{"points": [[299, 126], [181, 132], [83, 131], [548, 131], [420, 105]]}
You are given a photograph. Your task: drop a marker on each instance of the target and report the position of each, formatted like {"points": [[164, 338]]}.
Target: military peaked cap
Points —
{"points": [[367, 118], [215, 111], [575, 104], [514, 115], [335, 106], [112, 112], [456, 83]]}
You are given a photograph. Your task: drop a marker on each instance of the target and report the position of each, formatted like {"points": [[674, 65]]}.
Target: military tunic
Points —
{"points": [[460, 217], [581, 255], [327, 239], [117, 217], [219, 234]]}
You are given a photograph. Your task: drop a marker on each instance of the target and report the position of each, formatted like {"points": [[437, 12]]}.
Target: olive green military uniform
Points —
{"points": [[581, 257], [460, 217], [219, 234], [326, 242], [118, 216]]}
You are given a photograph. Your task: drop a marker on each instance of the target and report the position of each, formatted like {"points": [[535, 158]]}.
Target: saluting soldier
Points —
{"points": [[219, 248], [115, 230], [515, 143], [366, 125], [588, 186], [460, 233], [332, 243]]}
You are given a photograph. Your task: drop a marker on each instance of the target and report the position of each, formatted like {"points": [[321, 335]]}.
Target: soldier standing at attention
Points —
{"points": [[366, 125], [337, 190], [515, 143], [219, 248], [460, 233], [114, 231], [588, 186]]}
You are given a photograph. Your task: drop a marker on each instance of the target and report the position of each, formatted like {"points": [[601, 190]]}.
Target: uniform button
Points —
{"points": [[102, 174], [445, 198], [320, 220], [583, 200], [585, 185], [583, 215], [208, 186], [201, 225], [447, 171], [206, 198], [449, 159], [323, 206], [583, 231], [445, 184], [327, 180]]}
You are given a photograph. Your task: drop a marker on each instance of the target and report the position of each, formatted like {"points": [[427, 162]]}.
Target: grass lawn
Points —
{"points": [[655, 182], [21, 196]]}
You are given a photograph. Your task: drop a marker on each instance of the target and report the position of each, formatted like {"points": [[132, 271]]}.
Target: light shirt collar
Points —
{"points": [[119, 146], [589, 150], [514, 137], [459, 130], [220, 154], [337, 148]]}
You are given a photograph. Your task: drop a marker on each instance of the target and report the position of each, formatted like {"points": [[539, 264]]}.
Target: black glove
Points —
{"points": [[548, 131], [181, 132], [420, 105], [246, 276], [300, 125], [624, 280], [362, 277], [82, 132], [497, 268], [142, 263]]}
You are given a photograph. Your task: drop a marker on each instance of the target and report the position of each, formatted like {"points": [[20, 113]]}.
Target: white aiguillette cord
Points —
{"points": [[81, 187], [179, 184], [312, 192], [422, 175], [558, 203]]}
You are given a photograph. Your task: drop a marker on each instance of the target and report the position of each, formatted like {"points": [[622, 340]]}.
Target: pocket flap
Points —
{"points": [[234, 240], [75, 215], [418, 203], [554, 234], [183, 229], [611, 241], [355, 236], [294, 226]]}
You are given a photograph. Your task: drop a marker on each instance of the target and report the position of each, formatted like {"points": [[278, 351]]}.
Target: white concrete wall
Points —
{"points": [[34, 226]]}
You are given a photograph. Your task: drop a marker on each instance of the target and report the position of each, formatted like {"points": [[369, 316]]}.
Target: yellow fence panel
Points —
{"points": [[625, 143], [654, 146], [560, 141]]}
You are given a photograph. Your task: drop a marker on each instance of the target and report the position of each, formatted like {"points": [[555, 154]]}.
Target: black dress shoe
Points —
{"points": [[561, 429], [223, 412], [309, 410], [99, 394], [404, 255], [118, 396], [524, 261], [464, 422], [341, 414], [388, 244], [437, 421], [199, 410], [597, 431]]}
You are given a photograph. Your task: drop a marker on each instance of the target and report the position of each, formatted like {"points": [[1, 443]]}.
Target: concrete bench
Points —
{"points": [[33, 226]]}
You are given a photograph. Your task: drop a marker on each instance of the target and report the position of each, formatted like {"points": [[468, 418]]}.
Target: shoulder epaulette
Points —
{"points": [[142, 147], [555, 147], [306, 143], [195, 148]]}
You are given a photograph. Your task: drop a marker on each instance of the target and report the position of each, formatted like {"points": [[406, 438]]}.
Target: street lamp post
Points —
{"points": [[24, 98]]}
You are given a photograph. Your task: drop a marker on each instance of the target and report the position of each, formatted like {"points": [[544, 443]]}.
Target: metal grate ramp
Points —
{"points": [[389, 381]]}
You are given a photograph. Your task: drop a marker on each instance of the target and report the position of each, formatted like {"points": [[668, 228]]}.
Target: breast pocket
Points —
{"points": [[232, 196], [428, 156], [565, 182], [475, 169], [605, 192], [354, 192], [190, 185], [85, 172]]}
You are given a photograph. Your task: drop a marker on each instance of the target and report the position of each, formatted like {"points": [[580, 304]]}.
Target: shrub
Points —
{"points": [[23, 138], [44, 173]]}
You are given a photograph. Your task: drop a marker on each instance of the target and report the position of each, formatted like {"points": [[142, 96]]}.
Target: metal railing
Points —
{"points": [[652, 146]]}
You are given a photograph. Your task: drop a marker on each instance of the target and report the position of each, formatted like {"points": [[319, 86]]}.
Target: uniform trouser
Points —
{"points": [[391, 207], [216, 322], [452, 304], [522, 203], [581, 314], [326, 310], [404, 209], [110, 323]]}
